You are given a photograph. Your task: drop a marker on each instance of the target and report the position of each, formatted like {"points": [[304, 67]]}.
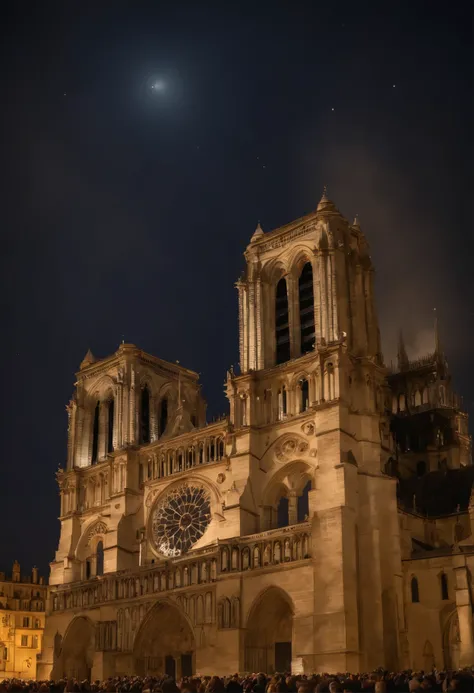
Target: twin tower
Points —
{"points": [[268, 540]]}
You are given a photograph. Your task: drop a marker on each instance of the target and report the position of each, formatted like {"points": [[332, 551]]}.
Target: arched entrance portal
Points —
{"points": [[165, 643], [77, 651], [269, 632]]}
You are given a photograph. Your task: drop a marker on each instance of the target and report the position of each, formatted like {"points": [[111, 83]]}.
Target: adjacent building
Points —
{"points": [[22, 619]]}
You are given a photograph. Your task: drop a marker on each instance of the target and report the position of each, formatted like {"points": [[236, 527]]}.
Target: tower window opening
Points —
{"points": [[88, 570], [95, 434], [110, 426], [306, 307], [145, 416], [100, 558], [304, 386], [282, 326], [444, 586], [415, 592], [163, 415]]}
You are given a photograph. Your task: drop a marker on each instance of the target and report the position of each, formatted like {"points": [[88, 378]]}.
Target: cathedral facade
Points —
{"points": [[279, 537]]}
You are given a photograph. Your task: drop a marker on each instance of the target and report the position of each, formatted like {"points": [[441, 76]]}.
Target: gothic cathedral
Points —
{"points": [[301, 532]]}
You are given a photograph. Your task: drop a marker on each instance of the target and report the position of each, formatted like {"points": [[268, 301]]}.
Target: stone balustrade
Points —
{"points": [[171, 456], [258, 551]]}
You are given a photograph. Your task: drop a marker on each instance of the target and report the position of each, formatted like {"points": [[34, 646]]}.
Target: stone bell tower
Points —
{"points": [[313, 400]]}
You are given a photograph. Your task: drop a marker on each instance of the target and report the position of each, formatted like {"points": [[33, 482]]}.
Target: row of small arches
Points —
{"points": [[415, 588], [144, 419], [175, 460], [258, 556], [418, 398]]}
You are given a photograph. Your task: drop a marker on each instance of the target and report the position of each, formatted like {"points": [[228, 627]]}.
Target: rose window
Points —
{"points": [[180, 519]]}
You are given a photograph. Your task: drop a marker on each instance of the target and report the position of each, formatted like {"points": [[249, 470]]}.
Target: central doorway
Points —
{"points": [[164, 643]]}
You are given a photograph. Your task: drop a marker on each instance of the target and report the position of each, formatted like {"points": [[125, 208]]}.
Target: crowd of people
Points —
{"points": [[378, 681]]}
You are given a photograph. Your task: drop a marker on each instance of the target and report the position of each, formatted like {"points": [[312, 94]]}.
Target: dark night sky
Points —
{"points": [[127, 214]]}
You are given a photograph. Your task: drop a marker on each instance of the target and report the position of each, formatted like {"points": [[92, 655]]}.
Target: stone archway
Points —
{"points": [[451, 641], [77, 651], [165, 643], [269, 632]]}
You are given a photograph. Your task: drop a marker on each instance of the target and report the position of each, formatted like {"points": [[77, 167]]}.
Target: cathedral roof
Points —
{"points": [[88, 359]]}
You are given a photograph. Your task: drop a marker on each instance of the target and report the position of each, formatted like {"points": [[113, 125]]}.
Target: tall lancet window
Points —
{"points": [[110, 425], [145, 416], [282, 327], [306, 300], [163, 415], [95, 434]]}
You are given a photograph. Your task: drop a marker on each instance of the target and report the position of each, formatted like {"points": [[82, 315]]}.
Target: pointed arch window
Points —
{"points": [[304, 386], [145, 416], [306, 307], [100, 558], [110, 425], [95, 434], [444, 586], [282, 326], [415, 592], [163, 415]]}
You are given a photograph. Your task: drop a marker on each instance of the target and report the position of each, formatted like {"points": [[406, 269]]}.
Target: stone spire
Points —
{"points": [[402, 355], [325, 204], [356, 221], [258, 233], [88, 359]]}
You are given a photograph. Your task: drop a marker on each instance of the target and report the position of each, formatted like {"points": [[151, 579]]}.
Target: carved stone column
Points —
{"points": [[153, 419], [317, 298], [242, 335], [259, 324], [335, 318], [117, 432], [293, 316], [252, 346], [102, 446], [79, 437], [324, 297], [132, 409], [71, 431], [292, 508]]}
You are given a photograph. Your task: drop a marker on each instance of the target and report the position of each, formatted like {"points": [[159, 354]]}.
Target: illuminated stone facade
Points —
{"points": [[22, 618], [273, 538]]}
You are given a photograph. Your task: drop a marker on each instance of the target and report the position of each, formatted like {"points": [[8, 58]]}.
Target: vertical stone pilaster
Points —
{"points": [[324, 298], [132, 409], [117, 433], [335, 317], [153, 419], [252, 346], [102, 446], [259, 317], [464, 609], [317, 297], [245, 320], [71, 432], [78, 454], [240, 289], [292, 508]]}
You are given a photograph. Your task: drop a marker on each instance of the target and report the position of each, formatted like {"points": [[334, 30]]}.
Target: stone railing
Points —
{"points": [[256, 551], [171, 456]]}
